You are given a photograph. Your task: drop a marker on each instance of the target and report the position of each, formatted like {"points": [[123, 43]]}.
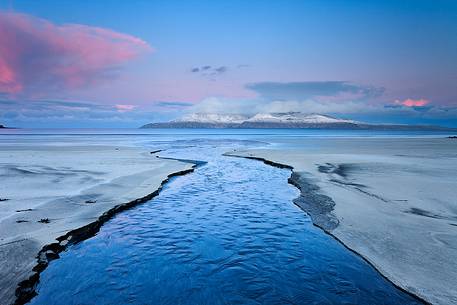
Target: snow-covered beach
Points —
{"points": [[393, 202], [389, 198], [50, 190]]}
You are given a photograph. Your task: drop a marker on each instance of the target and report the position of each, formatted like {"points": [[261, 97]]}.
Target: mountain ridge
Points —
{"points": [[280, 120]]}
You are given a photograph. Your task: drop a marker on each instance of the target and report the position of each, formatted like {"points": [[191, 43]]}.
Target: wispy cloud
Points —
{"points": [[413, 103], [252, 106], [209, 71], [174, 104], [124, 108], [221, 70], [37, 56], [52, 113]]}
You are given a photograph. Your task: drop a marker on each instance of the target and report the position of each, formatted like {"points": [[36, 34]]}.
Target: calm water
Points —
{"points": [[226, 234]]}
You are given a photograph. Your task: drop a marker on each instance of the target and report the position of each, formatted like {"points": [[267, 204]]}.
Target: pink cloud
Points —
{"points": [[413, 103], [124, 108], [37, 56]]}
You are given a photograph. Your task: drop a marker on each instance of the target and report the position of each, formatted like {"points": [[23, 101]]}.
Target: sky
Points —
{"points": [[126, 63]]}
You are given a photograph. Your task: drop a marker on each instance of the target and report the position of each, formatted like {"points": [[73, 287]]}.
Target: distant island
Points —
{"points": [[281, 120], [1, 126]]}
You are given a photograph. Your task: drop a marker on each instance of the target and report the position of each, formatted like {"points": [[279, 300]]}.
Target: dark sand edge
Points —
{"points": [[320, 220], [312, 201], [26, 289]]}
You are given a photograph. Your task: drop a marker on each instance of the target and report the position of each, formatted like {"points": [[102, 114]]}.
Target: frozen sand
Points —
{"points": [[394, 203], [72, 186]]}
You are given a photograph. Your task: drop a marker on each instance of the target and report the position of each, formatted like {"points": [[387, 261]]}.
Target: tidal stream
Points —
{"points": [[226, 234]]}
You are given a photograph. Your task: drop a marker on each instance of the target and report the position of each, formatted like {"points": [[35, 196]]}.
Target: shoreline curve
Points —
{"points": [[26, 289], [294, 180]]}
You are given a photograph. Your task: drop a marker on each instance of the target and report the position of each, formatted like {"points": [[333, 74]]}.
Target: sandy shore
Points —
{"points": [[49, 191], [393, 201]]}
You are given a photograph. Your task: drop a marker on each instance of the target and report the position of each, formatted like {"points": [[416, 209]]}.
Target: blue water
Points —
{"points": [[226, 234]]}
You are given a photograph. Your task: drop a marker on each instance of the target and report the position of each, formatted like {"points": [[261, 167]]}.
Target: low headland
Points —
{"points": [[284, 120]]}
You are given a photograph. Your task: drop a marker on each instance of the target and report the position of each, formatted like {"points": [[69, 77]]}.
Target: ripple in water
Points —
{"points": [[226, 234]]}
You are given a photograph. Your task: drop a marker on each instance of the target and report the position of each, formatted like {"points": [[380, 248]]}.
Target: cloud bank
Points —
{"points": [[337, 98], [356, 110], [77, 114], [324, 90], [38, 57]]}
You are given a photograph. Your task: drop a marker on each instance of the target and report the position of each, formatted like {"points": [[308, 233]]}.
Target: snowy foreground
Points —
{"points": [[47, 191], [392, 200], [394, 203]]}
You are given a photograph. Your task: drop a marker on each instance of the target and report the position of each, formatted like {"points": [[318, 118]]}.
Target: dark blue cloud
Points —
{"points": [[307, 90], [209, 71], [174, 104], [221, 70]]}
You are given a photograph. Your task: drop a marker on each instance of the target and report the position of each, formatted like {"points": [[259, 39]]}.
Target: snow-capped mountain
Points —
{"points": [[278, 117], [260, 120], [278, 120], [295, 117]]}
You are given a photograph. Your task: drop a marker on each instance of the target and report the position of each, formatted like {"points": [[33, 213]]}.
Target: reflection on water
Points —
{"points": [[225, 234]]}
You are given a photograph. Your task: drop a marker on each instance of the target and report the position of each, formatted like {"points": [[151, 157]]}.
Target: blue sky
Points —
{"points": [[404, 51]]}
